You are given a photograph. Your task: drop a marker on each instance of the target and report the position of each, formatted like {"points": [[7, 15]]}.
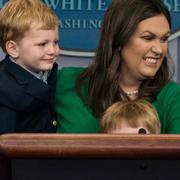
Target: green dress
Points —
{"points": [[74, 116]]}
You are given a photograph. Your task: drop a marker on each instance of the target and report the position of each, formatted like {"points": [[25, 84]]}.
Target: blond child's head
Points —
{"points": [[29, 34], [18, 16], [129, 117]]}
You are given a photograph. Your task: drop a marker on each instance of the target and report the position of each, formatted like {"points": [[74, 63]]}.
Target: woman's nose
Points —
{"points": [[157, 47]]}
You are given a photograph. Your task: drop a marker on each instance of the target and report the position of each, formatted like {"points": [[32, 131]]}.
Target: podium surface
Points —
{"points": [[89, 156]]}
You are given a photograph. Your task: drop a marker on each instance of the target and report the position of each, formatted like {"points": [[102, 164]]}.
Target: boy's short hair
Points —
{"points": [[134, 113], [17, 16]]}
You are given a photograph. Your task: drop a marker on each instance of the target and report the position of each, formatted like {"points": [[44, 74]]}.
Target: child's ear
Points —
{"points": [[12, 49]]}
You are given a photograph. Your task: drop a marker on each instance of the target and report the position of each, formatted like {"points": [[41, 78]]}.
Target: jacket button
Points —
{"points": [[54, 123]]}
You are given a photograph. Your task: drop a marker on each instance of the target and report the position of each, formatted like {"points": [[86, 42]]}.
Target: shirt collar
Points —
{"points": [[37, 75]]}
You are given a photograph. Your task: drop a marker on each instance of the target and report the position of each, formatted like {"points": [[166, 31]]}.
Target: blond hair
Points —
{"points": [[134, 113], [17, 16]]}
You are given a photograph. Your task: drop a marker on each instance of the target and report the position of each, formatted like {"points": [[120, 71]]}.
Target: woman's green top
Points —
{"points": [[74, 116]]}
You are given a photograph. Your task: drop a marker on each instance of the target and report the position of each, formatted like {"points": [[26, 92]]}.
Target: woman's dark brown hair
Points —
{"points": [[120, 22]]}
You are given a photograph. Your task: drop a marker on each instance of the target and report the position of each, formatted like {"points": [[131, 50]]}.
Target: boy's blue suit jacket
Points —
{"points": [[26, 103]]}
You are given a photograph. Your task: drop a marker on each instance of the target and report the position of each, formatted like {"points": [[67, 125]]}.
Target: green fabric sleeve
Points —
{"points": [[74, 116], [167, 105]]}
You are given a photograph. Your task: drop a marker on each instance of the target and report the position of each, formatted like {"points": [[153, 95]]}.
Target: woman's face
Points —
{"points": [[146, 49]]}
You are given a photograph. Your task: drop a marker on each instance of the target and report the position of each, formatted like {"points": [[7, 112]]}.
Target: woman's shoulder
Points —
{"points": [[170, 87], [67, 77], [170, 91], [70, 72]]}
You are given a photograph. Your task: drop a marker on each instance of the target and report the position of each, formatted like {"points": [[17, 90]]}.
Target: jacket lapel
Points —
{"points": [[34, 86]]}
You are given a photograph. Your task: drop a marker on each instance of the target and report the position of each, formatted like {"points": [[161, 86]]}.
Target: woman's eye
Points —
{"points": [[165, 39], [148, 38]]}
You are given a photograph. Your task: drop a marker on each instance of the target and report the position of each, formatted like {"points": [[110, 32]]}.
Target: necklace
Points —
{"points": [[132, 93]]}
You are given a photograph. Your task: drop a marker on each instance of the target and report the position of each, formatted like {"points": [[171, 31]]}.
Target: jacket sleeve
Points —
{"points": [[8, 105], [8, 118]]}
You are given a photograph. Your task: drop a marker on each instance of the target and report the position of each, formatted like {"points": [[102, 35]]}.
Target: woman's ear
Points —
{"points": [[12, 49]]}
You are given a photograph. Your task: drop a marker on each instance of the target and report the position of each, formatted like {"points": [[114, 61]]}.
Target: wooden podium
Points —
{"points": [[89, 157]]}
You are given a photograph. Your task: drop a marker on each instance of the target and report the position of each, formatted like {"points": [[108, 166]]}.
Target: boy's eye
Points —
{"points": [[56, 42], [41, 44]]}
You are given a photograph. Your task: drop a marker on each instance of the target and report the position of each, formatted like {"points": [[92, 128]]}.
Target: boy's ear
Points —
{"points": [[12, 49]]}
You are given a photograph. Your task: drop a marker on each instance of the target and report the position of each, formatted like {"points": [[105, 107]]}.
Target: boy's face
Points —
{"points": [[126, 129], [38, 50]]}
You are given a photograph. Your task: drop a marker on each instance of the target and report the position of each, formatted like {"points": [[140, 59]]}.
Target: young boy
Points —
{"points": [[29, 37], [133, 117]]}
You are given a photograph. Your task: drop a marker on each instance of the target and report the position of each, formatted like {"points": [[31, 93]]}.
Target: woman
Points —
{"points": [[131, 63]]}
